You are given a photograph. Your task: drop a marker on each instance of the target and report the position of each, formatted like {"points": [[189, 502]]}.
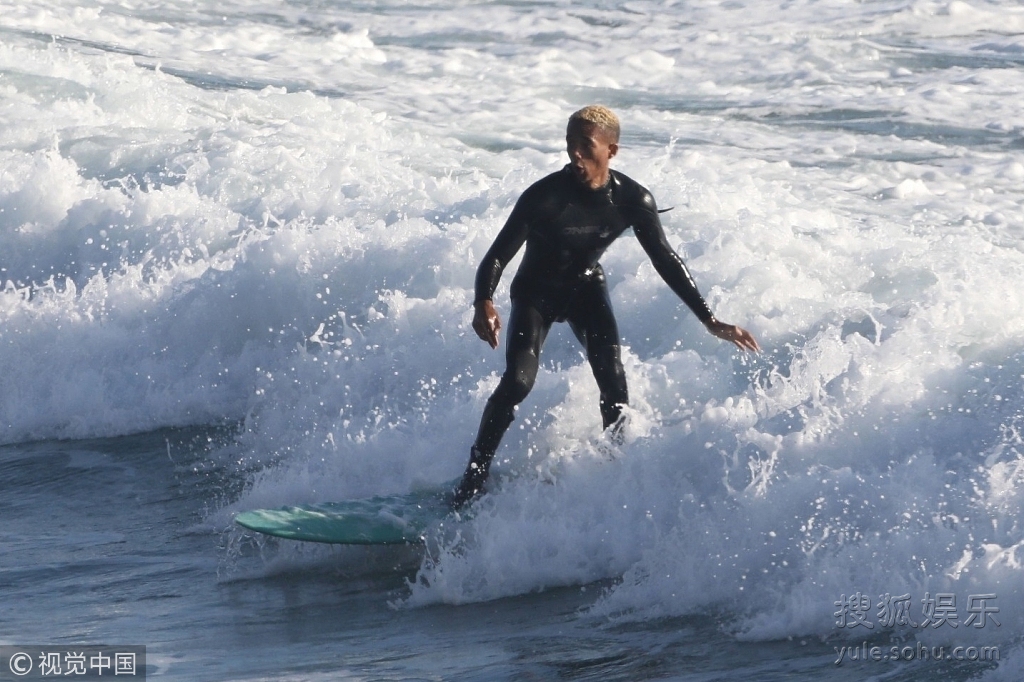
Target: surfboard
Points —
{"points": [[382, 520]]}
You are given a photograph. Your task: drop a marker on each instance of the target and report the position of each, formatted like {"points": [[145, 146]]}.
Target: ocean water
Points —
{"points": [[237, 248]]}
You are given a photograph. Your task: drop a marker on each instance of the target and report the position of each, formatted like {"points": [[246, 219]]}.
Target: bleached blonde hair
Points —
{"points": [[601, 116]]}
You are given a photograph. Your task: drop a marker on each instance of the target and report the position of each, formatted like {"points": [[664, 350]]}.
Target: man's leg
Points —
{"points": [[526, 333], [593, 323]]}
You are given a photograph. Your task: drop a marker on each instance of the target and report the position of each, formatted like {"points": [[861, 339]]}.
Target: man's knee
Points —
{"points": [[609, 373], [521, 385], [515, 386], [500, 409]]}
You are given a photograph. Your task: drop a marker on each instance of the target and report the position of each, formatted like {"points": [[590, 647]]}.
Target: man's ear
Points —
{"points": [[613, 149]]}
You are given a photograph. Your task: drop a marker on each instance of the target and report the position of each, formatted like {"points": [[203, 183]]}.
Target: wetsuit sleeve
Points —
{"points": [[505, 246], [667, 262]]}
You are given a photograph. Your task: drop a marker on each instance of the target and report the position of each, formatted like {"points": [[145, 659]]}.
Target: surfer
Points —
{"points": [[567, 220]]}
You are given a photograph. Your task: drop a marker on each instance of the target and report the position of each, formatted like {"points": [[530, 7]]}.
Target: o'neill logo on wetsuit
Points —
{"points": [[588, 229]]}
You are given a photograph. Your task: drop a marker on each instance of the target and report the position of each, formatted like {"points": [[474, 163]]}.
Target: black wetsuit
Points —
{"points": [[567, 227]]}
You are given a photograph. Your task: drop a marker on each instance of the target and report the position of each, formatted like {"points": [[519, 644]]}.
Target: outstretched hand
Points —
{"points": [[487, 323], [739, 336]]}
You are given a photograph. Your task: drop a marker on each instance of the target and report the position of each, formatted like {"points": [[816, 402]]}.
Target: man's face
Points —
{"points": [[590, 151]]}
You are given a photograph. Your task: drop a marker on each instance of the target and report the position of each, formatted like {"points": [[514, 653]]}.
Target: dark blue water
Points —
{"points": [[105, 541]]}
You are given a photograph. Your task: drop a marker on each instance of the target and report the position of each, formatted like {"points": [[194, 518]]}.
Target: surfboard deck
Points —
{"points": [[382, 520]]}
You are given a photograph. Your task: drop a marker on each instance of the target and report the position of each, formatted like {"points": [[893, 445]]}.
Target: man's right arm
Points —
{"points": [[486, 321], [505, 246]]}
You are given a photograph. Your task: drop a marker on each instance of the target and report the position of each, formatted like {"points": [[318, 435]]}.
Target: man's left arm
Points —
{"points": [[670, 266]]}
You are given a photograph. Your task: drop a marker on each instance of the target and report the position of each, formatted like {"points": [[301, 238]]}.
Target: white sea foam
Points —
{"points": [[272, 216]]}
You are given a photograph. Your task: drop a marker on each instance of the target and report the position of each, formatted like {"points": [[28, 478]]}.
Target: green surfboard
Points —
{"points": [[382, 520]]}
